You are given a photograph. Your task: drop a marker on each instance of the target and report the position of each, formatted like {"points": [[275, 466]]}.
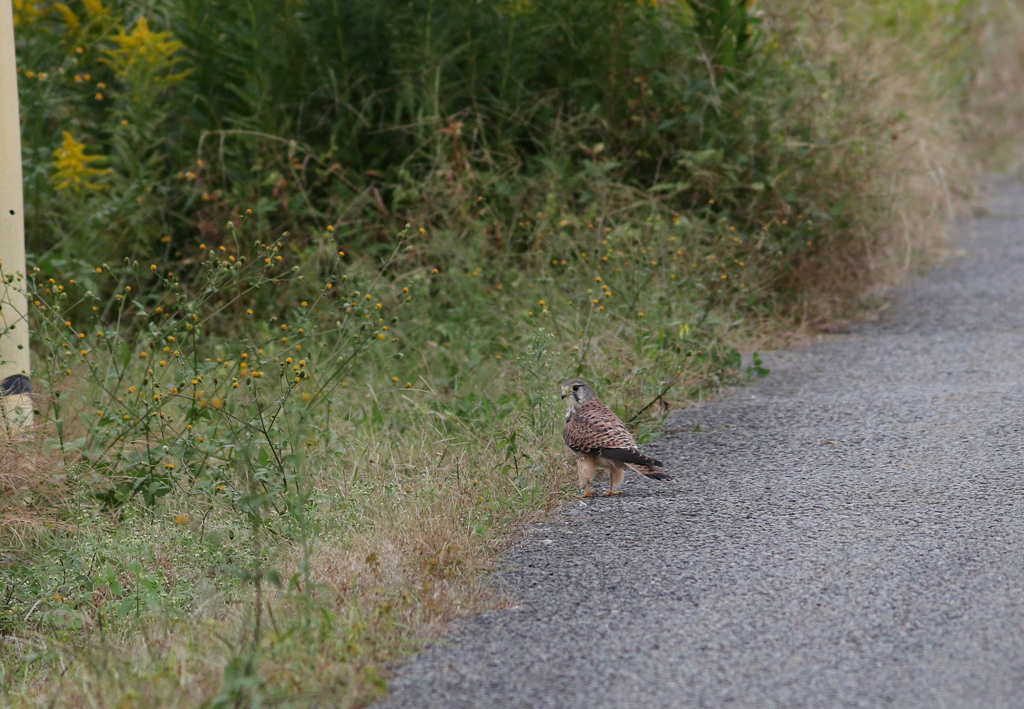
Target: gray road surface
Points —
{"points": [[850, 533]]}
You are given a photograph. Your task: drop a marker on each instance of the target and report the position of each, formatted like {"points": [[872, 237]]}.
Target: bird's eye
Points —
{"points": [[575, 387]]}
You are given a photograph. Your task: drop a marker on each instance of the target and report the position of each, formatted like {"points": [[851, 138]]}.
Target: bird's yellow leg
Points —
{"points": [[585, 470], [614, 478]]}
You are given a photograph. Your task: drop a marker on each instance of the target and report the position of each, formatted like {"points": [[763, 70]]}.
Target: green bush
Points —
{"points": [[368, 116]]}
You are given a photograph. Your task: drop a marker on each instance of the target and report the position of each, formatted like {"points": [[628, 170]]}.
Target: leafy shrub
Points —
{"points": [[368, 116]]}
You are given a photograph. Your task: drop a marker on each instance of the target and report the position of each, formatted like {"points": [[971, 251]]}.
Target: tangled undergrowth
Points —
{"points": [[299, 314]]}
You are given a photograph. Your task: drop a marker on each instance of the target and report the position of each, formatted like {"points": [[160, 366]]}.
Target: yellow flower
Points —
{"points": [[147, 52], [73, 168], [94, 7], [180, 519], [26, 11]]}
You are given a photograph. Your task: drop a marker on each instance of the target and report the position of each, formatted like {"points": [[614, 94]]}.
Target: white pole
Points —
{"points": [[15, 401]]}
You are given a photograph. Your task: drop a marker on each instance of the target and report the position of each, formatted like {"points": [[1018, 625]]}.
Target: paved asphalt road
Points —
{"points": [[850, 533]]}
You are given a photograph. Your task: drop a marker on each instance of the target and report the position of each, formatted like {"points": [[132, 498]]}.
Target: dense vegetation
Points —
{"points": [[306, 275]]}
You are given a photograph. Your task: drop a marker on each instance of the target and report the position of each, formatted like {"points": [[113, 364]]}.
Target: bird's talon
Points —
{"points": [[588, 493], [612, 493]]}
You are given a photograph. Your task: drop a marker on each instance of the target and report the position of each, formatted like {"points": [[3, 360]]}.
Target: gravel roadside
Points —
{"points": [[849, 533]]}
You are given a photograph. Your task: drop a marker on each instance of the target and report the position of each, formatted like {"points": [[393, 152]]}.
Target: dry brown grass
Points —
{"points": [[994, 111], [32, 489], [903, 153]]}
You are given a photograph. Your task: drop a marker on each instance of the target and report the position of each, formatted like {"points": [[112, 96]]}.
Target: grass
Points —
{"points": [[448, 229]]}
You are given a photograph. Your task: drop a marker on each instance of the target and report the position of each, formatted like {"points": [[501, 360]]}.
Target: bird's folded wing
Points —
{"points": [[594, 428], [650, 472], [629, 455]]}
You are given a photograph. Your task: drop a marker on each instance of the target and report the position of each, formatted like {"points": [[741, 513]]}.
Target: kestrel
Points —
{"points": [[601, 441]]}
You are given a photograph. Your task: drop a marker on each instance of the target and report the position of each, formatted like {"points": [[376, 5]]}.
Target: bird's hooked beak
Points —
{"points": [[565, 392]]}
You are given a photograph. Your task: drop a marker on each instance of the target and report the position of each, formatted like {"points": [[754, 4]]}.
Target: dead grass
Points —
{"points": [[910, 166], [994, 111], [33, 489]]}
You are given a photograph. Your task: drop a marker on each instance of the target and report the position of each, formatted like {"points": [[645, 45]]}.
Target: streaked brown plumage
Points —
{"points": [[601, 441]]}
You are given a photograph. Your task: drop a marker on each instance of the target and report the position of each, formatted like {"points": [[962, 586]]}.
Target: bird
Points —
{"points": [[600, 440]]}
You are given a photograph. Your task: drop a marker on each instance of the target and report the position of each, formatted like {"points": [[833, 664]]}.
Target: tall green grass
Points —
{"points": [[368, 116]]}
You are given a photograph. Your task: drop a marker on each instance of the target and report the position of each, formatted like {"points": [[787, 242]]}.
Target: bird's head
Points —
{"points": [[577, 391]]}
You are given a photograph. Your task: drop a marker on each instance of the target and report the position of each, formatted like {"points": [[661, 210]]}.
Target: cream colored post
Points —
{"points": [[15, 399]]}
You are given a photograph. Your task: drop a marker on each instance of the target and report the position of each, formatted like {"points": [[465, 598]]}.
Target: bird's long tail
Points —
{"points": [[649, 472]]}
